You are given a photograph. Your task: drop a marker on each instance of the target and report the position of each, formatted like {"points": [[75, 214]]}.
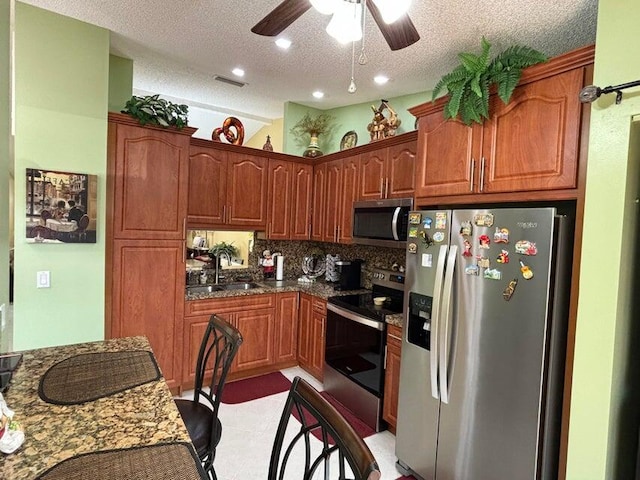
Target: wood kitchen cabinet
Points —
{"points": [[388, 172], [392, 376], [147, 298], [290, 192], [268, 324], [311, 331], [532, 144], [335, 190], [147, 180], [226, 188]]}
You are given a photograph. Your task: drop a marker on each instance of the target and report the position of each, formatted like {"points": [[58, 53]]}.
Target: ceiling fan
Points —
{"points": [[399, 34]]}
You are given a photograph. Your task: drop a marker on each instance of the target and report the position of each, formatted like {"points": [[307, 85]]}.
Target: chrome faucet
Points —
{"points": [[218, 265]]}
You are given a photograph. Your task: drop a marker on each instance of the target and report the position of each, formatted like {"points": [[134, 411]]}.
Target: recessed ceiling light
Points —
{"points": [[238, 72], [381, 79], [283, 43], [318, 94]]}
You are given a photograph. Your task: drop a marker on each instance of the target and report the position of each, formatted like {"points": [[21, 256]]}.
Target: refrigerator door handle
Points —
{"points": [[435, 320], [445, 328]]}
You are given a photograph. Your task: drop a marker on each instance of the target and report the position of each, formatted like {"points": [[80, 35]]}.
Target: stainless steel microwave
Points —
{"points": [[382, 223]]}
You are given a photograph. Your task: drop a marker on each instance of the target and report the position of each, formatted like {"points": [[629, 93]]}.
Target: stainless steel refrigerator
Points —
{"points": [[483, 348]]}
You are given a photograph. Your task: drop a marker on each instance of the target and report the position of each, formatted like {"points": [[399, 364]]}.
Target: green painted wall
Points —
{"points": [[602, 439], [120, 82], [62, 71], [352, 117], [5, 133]]}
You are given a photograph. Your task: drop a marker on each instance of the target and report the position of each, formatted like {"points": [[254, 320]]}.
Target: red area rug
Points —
{"points": [[404, 477], [363, 430], [254, 388]]}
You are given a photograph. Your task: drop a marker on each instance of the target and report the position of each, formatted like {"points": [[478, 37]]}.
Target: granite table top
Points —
{"points": [[143, 415]]}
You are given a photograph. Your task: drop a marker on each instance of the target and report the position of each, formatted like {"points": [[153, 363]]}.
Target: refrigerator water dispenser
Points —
{"points": [[419, 325]]}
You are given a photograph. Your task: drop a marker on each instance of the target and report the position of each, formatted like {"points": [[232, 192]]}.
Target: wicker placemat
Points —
{"points": [[172, 461], [87, 377]]}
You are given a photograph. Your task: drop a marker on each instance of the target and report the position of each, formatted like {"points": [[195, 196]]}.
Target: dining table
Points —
{"points": [[61, 403]]}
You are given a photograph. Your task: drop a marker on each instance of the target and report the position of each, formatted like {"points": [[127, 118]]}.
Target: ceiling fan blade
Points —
{"points": [[281, 17], [399, 34]]}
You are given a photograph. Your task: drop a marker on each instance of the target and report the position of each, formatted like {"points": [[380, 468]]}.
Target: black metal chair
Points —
{"points": [[217, 350], [339, 440]]}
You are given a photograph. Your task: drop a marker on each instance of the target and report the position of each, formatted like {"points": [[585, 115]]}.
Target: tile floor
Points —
{"points": [[249, 430]]}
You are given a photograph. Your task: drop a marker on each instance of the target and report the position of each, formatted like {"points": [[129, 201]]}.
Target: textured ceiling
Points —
{"points": [[179, 46]]}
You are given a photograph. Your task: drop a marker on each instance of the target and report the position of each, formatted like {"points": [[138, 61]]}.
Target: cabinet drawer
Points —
{"points": [[394, 335], [318, 305], [229, 304]]}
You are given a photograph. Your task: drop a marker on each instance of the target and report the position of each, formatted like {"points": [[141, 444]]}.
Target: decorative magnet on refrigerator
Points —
{"points": [[427, 222], [441, 220], [501, 235], [484, 241], [471, 270], [510, 289], [438, 237], [483, 219], [466, 229], [483, 262], [492, 274], [503, 257], [427, 241], [415, 218], [413, 232], [527, 274], [525, 247], [467, 249], [412, 248]]}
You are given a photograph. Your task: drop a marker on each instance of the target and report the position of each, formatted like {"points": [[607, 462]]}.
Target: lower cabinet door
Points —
{"points": [[286, 331], [304, 331], [257, 328], [392, 377], [147, 298], [318, 322]]}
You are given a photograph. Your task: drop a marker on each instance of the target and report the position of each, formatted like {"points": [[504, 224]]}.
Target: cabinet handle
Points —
{"points": [[224, 214], [386, 188], [337, 233], [473, 171], [482, 174], [381, 187], [385, 357]]}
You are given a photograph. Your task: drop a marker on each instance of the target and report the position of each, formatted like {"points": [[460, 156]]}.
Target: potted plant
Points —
{"points": [[312, 127], [468, 84], [157, 111], [223, 249]]}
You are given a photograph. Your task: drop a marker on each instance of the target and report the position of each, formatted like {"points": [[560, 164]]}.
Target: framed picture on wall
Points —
{"points": [[61, 207]]}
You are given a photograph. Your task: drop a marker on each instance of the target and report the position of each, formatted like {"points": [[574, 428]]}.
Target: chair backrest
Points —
{"points": [[340, 447], [83, 223], [217, 351]]}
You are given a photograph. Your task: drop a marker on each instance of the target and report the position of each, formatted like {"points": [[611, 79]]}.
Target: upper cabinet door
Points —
{"points": [[400, 176], [207, 186], [532, 143], [333, 198], [372, 175], [150, 182], [445, 156], [349, 194], [280, 178], [319, 201], [248, 178], [300, 223]]}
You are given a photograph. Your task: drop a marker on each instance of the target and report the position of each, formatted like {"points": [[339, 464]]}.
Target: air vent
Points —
{"points": [[235, 83]]}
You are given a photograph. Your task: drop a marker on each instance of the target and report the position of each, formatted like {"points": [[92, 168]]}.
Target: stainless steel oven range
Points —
{"points": [[355, 346]]}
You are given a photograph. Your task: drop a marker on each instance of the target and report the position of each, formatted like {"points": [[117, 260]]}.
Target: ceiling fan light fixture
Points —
{"points": [[392, 10], [325, 7], [346, 23]]}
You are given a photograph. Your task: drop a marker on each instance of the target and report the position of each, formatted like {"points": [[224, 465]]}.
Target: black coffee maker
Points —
{"points": [[350, 273]]}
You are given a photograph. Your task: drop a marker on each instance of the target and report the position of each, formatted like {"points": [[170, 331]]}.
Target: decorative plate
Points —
{"points": [[349, 140]]}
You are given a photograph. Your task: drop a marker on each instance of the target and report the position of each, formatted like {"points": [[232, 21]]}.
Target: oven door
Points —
{"points": [[354, 347]]}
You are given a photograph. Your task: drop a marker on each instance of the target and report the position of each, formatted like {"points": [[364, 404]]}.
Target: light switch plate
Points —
{"points": [[43, 279]]}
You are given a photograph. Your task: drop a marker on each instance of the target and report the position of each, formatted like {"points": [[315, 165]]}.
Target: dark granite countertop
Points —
{"points": [[143, 415]]}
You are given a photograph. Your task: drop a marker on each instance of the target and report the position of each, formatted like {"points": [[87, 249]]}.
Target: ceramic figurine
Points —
{"points": [[11, 437]]}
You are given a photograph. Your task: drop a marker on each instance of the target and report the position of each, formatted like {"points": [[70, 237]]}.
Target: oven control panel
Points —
{"points": [[388, 278]]}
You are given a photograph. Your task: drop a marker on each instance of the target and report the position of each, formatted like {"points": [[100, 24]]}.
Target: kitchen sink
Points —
{"points": [[197, 289], [239, 286]]}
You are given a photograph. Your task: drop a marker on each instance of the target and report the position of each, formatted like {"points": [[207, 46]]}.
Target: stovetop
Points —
{"points": [[362, 304]]}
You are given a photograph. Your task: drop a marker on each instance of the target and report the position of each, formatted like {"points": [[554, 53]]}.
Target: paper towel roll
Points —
{"points": [[279, 267]]}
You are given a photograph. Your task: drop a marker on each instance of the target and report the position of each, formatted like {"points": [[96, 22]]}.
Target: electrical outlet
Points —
{"points": [[43, 279]]}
